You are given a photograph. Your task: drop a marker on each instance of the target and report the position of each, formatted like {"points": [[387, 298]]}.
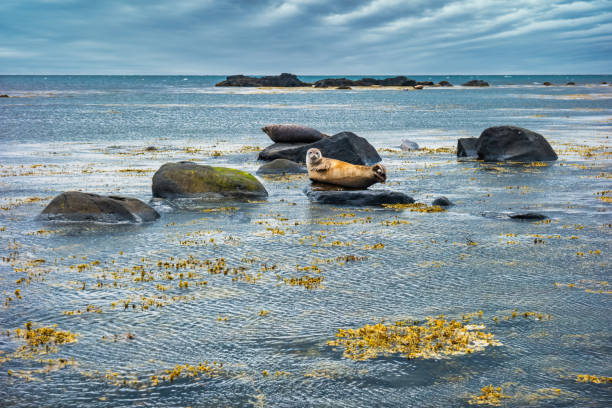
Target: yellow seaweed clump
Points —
{"points": [[489, 395], [41, 337], [309, 282], [416, 207], [187, 370], [436, 338], [593, 379]]}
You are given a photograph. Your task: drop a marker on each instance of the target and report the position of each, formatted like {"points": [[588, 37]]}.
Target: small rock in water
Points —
{"points": [[476, 82], [444, 83], [358, 198], [571, 83], [151, 149], [409, 145], [282, 166], [528, 216], [442, 202], [78, 206], [547, 83]]}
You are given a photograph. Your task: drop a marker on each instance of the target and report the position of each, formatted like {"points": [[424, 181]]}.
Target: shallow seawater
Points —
{"points": [[211, 285]]}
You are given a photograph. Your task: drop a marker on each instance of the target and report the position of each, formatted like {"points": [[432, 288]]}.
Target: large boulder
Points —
{"points": [[188, 179], [466, 147], [78, 206], [511, 143], [282, 166], [292, 133], [358, 197], [476, 82], [345, 146], [282, 80]]}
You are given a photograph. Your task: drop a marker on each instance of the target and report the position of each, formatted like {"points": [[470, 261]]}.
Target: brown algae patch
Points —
{"points": [[416, 207], [436, 338], [586, 378], [489, 395], [40, 340]]}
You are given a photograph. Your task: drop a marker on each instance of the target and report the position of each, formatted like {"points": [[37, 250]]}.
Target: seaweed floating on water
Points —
{"points": [[489, 395]]}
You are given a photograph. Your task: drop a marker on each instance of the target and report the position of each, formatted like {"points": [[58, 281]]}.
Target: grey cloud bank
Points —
{"points": [[305, 37]]}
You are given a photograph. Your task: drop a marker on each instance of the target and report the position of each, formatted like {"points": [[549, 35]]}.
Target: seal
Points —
{"points": [[331, 171]]}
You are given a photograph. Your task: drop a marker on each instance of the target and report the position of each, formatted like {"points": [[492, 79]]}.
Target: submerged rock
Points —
{"points": [[511, 143], [292, 133], [476, 82], [571, 83], [547, 83], [188, 179], [444, 83], [442, 202], [358, 197], [408, 145], [282, 80], [282, 166], [466, 147], [345, 146], [78, 206], [529, 216], [4, 96]]}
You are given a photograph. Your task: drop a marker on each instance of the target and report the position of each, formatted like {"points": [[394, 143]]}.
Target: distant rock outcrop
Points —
{"points": [[344, 82], [282, 80], [476, 82]]}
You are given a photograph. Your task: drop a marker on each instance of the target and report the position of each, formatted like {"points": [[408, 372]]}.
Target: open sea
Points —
{"points": [[198, 308]]}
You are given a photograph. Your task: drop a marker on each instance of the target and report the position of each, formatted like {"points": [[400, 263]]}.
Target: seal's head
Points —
{"points": [[313, 156], [380, 173]]}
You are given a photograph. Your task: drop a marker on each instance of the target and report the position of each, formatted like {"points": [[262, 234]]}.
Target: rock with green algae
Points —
{"points": [[191, 180]]}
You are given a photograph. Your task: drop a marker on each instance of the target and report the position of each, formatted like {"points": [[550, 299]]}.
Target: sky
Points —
{"points": [[305, 37]]}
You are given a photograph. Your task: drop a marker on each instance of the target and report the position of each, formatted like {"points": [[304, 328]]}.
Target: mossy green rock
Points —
{"points": [[188, 179]]}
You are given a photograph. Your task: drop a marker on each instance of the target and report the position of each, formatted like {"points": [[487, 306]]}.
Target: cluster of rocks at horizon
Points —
{"points": [[345, 152]]}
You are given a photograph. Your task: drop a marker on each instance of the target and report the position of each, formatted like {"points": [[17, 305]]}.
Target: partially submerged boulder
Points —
{"points": [[358, 197], [345, 146], [78, 206], [476, 82], [529, 216], [466, 147], [512, 143], [292, 133], [442, 202], [408, 145], [282, 80], [282, 166], [444, 83], [188, 179]]}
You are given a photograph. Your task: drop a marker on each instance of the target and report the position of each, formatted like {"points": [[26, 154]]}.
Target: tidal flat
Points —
{"points": [[283, 302]]}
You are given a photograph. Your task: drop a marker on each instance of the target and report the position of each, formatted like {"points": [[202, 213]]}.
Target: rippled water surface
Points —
{"points": [[121, 289]]}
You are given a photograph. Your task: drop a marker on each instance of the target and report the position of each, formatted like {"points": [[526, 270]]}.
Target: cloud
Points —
{"points": [[303, 36]]}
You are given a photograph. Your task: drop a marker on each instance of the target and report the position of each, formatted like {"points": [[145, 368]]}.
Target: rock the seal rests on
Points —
{"points": [[78, 206], [292, 133], [358, 198], [190, 180], [340, 173]]}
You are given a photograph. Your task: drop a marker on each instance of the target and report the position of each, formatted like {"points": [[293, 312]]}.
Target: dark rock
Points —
{"points": [[442, 202], [282, 166], [571, 83], [603, 82], [344, 87], [282, 80], [547, 83], [476, 82], [408, 145], [4, 96], [151, 149], [292, 133], [78, 206], [425, 83], [344, 82], [466, 147], [511, 143], [345, 146], [528, 216], [187, 179], [358, 197], [444, 83]]}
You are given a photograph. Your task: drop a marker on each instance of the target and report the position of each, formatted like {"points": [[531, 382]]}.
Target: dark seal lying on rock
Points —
{"points": [[188, 179], [511, 143], [476, 82], [282, 80], [78, 206], [292, 133], [282, 166], [358, 197], [340, 173], [345, 146]]}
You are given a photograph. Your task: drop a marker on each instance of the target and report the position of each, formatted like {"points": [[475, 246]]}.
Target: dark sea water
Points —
{"points": [[89, 133]]}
